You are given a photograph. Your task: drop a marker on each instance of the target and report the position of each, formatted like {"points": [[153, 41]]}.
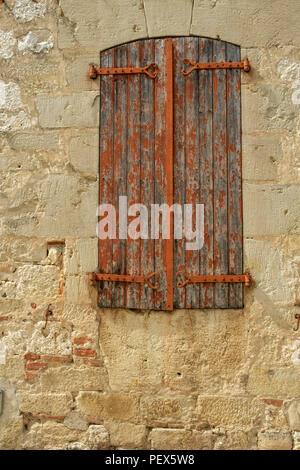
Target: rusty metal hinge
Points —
{"points": [[245, 66], [185, 279], [125, 278], [150, 70], [297, 316]]}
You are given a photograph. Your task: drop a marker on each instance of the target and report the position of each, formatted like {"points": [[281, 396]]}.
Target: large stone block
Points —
{"points": [[118, 406], [57, 404], [45, 141], [207, 350], [275, 441], [269, 270], [294, 415], [261, 156], [170, 19], [127, 435], [84, 153], [78, 73], [50, 435], [220, 412], [179, 439], [249, 24], [77, 110], [167, 409], [74, 379], [278, 211], [99, 26], [69, 207], [274, 381]]}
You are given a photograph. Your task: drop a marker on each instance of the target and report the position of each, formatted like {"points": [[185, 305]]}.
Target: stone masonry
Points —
{"points": [[75, 376]]}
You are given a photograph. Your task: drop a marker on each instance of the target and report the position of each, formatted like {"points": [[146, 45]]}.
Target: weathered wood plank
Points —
{"points": [[220, 176], [206, 171], [119, 171], [192, 170], [147, 168], [106, 170], [235, 229], [160, 166], [133, 168], [179, 159]]}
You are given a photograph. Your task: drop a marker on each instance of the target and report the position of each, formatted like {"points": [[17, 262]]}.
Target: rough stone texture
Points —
{"points": [[177, 439], [83, 378], [275, 441]]}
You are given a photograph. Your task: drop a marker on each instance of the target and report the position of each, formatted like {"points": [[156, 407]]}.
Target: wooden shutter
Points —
{"points": [[173, 139], [136, 161], [207, 170]]}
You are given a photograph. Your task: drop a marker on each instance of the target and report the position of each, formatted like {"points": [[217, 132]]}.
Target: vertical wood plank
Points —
{"points": [[220, 176], [147, 168], [106, 170], [119, 171], [192, 172], [235, 230], [206, 171], [162, 247], [179, 159], [133, 168]]}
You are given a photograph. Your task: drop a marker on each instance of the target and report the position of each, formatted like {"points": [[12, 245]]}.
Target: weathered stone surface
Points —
{"points": [[75, 420], [177, 439], [39, 41], [219, 412], [173, 19], [118, 406], [7, 43], [50, 435], [78, 73], [294, 415], [26, 10], [45, 141], [274, 381], [98, 437], [261, 156], [275, 441], [249, 23], [57, 404], [277, 214], [84, 153], [127, 435], [95, 24], [73, 379], [166, 409], [145, 343], [75, 110]]}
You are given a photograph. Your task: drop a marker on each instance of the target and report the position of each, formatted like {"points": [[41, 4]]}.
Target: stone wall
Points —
{"points": [[74, 376]]}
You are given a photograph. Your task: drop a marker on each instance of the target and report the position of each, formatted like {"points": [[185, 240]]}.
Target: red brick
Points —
{"points": [[82, 340], [4, 318], [270, 401], [93, 362], [36, 365], [32, 357], [84, 352]]}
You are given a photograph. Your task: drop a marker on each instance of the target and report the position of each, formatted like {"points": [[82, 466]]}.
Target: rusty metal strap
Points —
{"points": [[151, 70], [245, 65], [185, 279], [125, 278]]}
